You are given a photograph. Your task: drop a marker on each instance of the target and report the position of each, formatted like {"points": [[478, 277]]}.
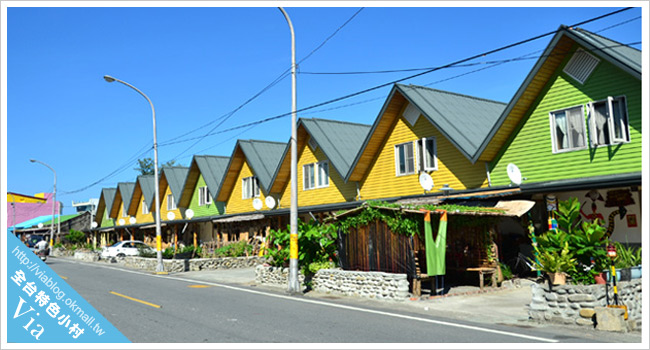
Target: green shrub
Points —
{"points": [[626, 256], [76, 237]]}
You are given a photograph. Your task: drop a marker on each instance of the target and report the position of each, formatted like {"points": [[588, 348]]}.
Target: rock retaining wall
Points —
{"points": [[377, 285], [576, 304], [181, 265], [86, 256]]}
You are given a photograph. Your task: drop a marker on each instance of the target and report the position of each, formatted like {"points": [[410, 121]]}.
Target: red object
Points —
{"points": [[600, 278], [611, 251]]}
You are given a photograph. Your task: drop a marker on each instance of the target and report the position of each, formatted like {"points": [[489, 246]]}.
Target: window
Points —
{"points": [[250, 187], [568, 129], [427, 152], [171, 205], [145, 207], [316, 175], [124, 213], [608, 121], [204, 196], [404, 159]]}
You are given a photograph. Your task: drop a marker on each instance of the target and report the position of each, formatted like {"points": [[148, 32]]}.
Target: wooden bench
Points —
{"points": [[492, 271]]}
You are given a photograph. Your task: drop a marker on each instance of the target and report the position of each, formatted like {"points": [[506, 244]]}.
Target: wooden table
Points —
{"points": [[492, 271]]}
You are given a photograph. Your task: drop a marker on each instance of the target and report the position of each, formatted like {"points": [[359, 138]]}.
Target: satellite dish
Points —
{"points": [[40, 225], [257, 204], [121, 221], [93, 224], [171, 215], [514, 174], [270, 202], [426, 181], [189, 213], [132, 220]]}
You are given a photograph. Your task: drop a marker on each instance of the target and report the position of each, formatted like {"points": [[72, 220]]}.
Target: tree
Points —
{"points": [[145, 166]]}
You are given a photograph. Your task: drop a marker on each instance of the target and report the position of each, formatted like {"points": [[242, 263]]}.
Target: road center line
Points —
{"points": [[136, 300], [324, 303]]}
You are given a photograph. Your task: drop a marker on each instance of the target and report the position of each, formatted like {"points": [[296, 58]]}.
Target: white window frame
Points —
{"points": [[249, 192], [170, 202], [397, 159], [424, 161], [552, 119], [609, 101], [204, 196], [317, 167], [124, 213], [145, 207]]}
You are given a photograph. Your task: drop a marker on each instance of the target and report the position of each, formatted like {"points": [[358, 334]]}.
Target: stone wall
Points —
{"points": [[377, 285], [86, 256], [181, 265], [576, 304]]}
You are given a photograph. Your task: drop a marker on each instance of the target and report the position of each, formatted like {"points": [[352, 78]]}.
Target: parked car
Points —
{"points": [[124, 248]]}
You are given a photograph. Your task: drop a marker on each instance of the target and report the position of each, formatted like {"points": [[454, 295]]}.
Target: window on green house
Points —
{"points": [[204, 196], [608, 123], [568, 129]]}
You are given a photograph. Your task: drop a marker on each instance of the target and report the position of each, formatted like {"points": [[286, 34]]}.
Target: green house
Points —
{"points": [[573, 129], [105, 224]]}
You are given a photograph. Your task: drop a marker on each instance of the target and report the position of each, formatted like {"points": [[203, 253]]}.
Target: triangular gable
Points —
{"points": [[561, 45], [124, 195], [144, 188], [340, 141], [464, 120], [213, 169], [105, 203], [174, 178]]}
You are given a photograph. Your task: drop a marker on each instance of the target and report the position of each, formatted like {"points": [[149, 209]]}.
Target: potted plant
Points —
{"points": [[627, 261], [556, 264]]}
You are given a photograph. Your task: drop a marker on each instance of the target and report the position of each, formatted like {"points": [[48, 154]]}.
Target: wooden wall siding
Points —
{"points": [[337, 192], [215, 208], [375, 248], [231, 177], [144, 218], [163, 206], [454, 168], [531, 150], [283, 177], [524, 103], [114, 210], [235, 204]]}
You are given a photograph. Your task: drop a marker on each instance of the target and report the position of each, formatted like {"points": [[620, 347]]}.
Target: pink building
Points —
{"points": [[21, 208]]}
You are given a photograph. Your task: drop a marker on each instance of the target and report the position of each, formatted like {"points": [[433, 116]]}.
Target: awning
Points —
{"points": [[251, 217], [515, 207], [152, 226]]}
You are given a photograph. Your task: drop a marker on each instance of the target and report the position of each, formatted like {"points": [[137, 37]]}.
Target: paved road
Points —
{"points": [[191, 310]]}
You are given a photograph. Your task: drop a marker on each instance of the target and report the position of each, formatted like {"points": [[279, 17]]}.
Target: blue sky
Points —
{"points": [[199, 64]]}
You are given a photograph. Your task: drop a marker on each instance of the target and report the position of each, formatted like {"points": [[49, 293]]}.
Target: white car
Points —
{"points": [[124, 248]]}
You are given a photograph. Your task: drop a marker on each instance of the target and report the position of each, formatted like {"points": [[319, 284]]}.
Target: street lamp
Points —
{"points": [[294, 285], [159, 267], [53, 205]]}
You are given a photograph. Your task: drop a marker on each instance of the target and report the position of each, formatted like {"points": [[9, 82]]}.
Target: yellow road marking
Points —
{"points": [[137, 300], [198, 286], [65, 278]]}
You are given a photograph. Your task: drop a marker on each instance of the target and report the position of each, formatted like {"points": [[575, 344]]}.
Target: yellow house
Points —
{"points": [[119, 210], [419, 132], [142, 205], [249, 175], [326, 150], [171, 188]]}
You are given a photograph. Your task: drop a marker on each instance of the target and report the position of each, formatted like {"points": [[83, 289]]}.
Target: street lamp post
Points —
{"points": [[53, 205], [159, 267], [294, 285]]}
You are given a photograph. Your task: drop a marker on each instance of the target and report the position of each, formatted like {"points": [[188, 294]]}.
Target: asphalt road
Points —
{"points": [[170, 309]]}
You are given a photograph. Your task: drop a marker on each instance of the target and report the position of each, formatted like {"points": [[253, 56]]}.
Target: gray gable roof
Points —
{"points": [[109, 197], [147, 185], [175, 176], [263, 157], [126, 191], [619, 54], [464, 120], [213, 169], [340, 141]]}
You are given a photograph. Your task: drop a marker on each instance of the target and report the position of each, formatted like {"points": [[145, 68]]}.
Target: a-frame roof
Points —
{"points": [[626, 58], [263, 157], [339, 140], [174, 177], [124, 194], [145, 187], [106, 199], [213, 169], [464, 120]]}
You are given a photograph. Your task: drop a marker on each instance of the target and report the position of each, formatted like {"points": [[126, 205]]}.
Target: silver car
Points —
{"points": [[125, 248]]}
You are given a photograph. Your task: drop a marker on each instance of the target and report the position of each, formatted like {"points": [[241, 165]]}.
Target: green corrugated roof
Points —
{"points": [[213, 169], [340, 141], [148, 187], [175, 179], [464, 120], [621, 53], [64, 218], [263, 157]]}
